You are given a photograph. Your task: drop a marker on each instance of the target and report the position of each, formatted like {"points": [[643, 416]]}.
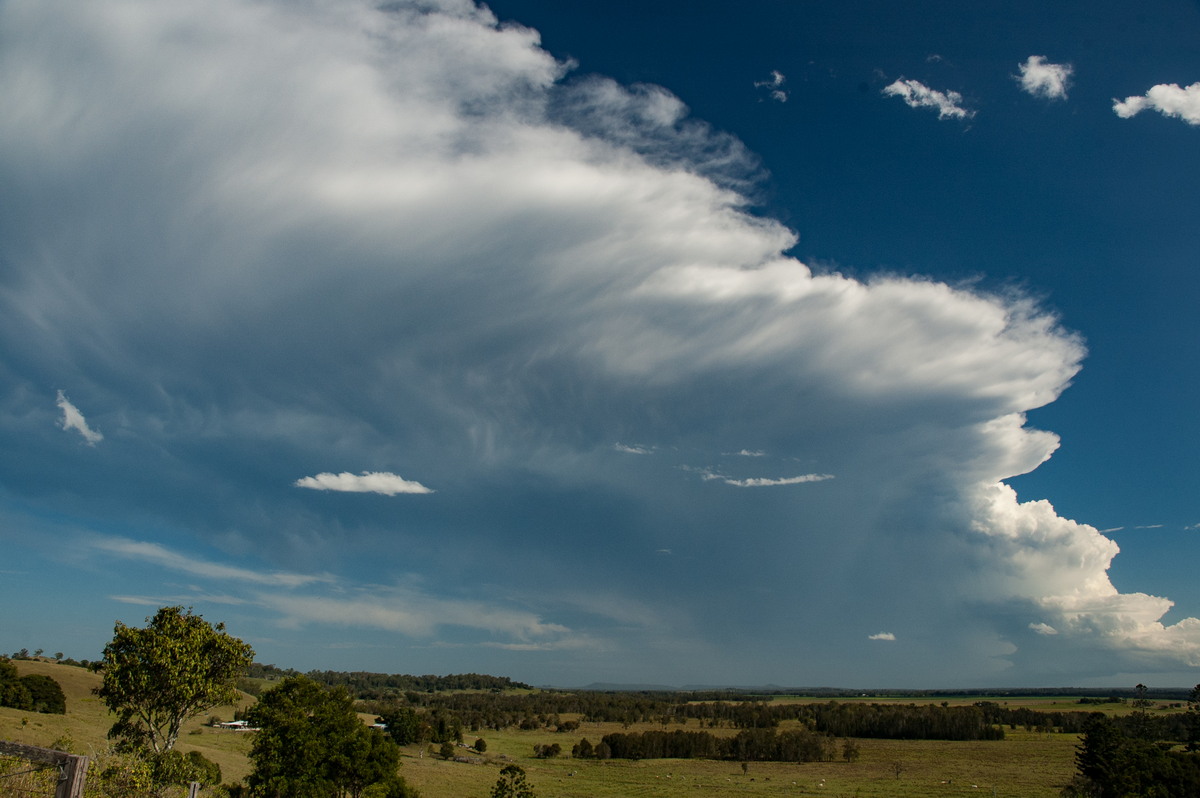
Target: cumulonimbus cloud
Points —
{"points": [[382, 482], [916, 94], [1169, 99], [448, 254]]}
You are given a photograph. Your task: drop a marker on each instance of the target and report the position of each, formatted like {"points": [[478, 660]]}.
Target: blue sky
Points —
{"points": [[842, 344]]}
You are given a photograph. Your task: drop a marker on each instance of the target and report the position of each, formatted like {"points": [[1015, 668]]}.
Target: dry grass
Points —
{"points": [[87, 722]]}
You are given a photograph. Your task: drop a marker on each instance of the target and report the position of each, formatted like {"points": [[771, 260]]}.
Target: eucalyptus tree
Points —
{"points": [[156, 678]]}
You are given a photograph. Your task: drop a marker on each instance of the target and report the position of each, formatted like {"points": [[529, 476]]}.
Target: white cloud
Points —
{"points": [[1166, 98], [1042, 79], [190, 599], [774, 85], [917, 95], [159, 555], [411, 613], [73, 419], [382, 482], [761, 482], [1061, 567], [448, 255], [883, 636]]}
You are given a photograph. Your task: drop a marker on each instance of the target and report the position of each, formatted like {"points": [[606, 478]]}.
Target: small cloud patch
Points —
{"points": [[1043, 628], [381, 482], [1045, 80], [766, 482], [1166, 98], [917, 95], [774, 86], [883, 636], [73, 419]]}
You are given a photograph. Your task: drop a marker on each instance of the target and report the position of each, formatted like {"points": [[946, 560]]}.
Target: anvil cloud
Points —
{"points": [[256, 241]]}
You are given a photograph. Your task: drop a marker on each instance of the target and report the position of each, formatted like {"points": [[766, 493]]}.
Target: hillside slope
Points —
{"points": [[86, 724]]}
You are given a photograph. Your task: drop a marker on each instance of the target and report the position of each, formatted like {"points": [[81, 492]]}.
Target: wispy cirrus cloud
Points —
{"points": [[766, 482], [916, 94], [711, 475], [381, 482], [1169, 99], [1043, 79], [73, 419], [157, 554], [411, 613]]}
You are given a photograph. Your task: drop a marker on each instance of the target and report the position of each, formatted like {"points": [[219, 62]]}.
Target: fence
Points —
{"points": [[72, 769]]}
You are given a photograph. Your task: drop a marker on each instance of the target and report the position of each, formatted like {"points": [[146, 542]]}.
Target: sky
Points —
{"points": [[801, 343]]}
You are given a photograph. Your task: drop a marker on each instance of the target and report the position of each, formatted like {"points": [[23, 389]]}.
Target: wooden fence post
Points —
{"points": [[74, 776], [72, 770], [193, 789]]}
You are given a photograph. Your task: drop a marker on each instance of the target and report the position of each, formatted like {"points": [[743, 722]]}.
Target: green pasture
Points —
{"points": [[1024, 765], [1028, 765]]}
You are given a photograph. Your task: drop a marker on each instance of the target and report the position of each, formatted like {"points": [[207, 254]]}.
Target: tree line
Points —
{"points": [[748, 745], [368, 686], [1135, 756]]}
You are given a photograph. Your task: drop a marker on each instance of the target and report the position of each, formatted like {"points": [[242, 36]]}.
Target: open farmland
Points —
{"points": [[1024, 764], [1027, 764]]}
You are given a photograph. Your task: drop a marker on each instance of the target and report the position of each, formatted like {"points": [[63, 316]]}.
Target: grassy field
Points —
{"points": [[87, 722], [1024, 765]]}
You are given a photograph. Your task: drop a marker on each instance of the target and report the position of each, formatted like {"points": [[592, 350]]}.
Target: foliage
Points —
{"points": [[311, 744], [1113, 764], [125, 775], [46, 694], [547, 751], [32, 693], [402, 723], [512, 784], [157, 677], [173, 767], [1192, 721], [749, 745], [368, 686]]}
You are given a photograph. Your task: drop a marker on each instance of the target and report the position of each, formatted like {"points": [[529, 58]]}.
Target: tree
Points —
{"points": [[402, 724], [45, 693], [480, 745], [311, 744], [512, 784], [1193, 721], [157, 677], [13, 692]]}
